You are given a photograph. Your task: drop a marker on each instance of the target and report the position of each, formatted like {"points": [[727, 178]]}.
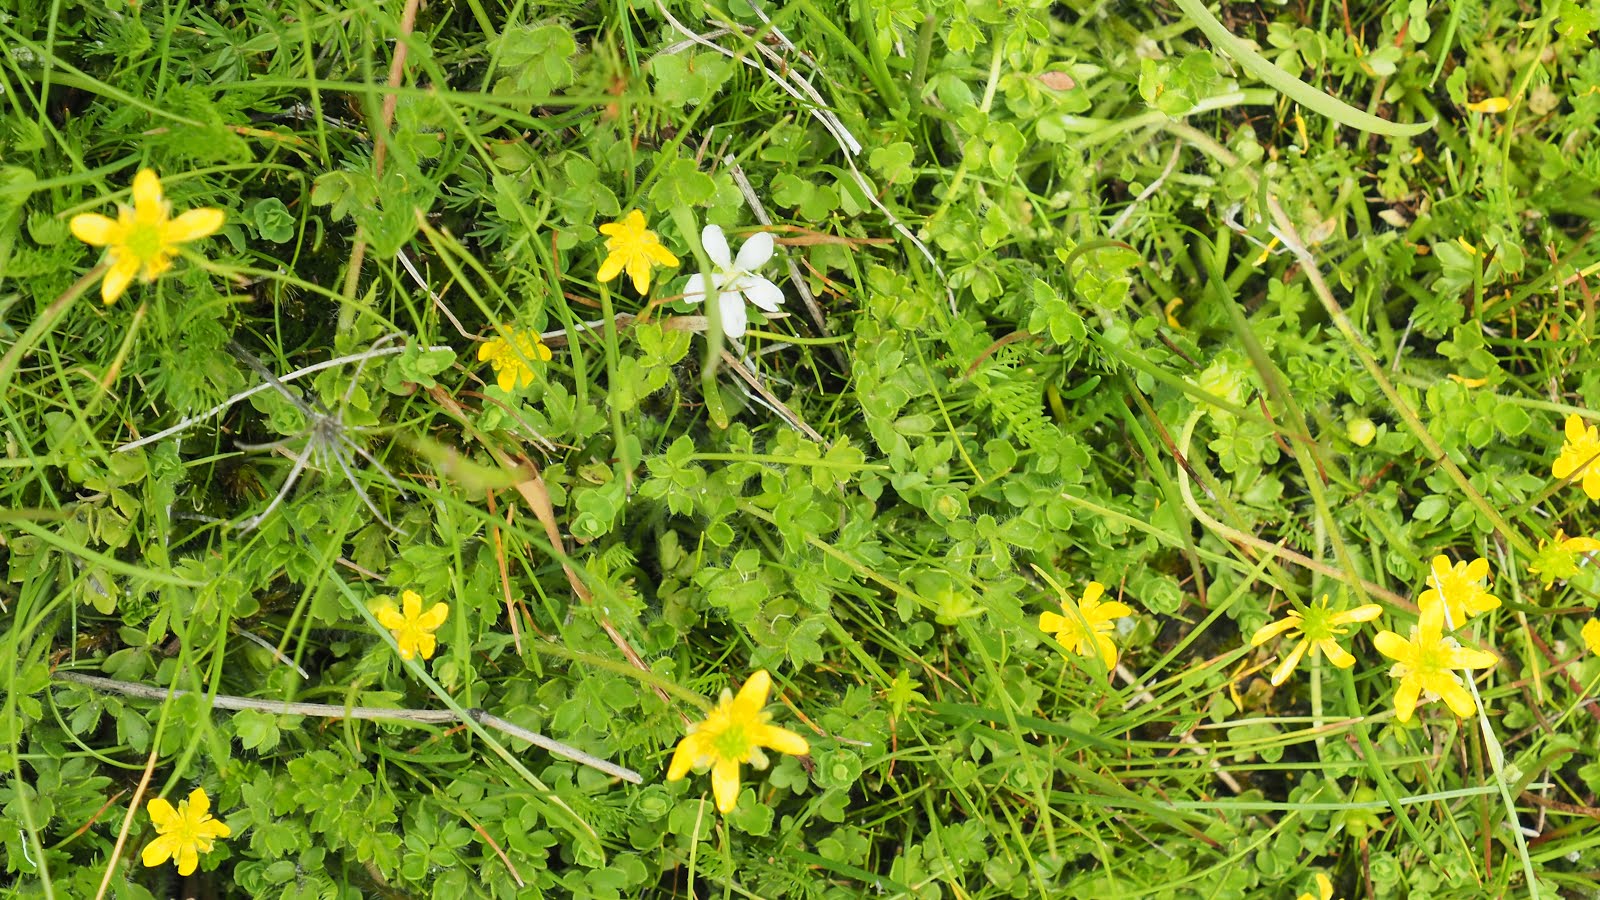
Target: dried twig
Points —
{"points": [[251, 392], [330, 711], [760, 212], [795, 85]]}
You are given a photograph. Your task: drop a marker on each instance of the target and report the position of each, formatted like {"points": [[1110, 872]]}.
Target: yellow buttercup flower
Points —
{"points": [[1081, 627], [512, 362], [183, 833], [1324, 889], [1580, 455], [734, 732], [1461, 588], [1591, 635], [634, 248], [1426, 665], [142, 239], [1319, 631], [1559, 558], [412, 628]]}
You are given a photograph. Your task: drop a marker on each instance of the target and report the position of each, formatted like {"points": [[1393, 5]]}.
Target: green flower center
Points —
{"points": [[732, 742], [1554, 562], [1316, 623], [1432, 656], [145, 242]]}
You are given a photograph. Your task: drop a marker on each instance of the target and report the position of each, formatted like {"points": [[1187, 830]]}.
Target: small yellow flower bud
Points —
{"points": [[1361, 431]]}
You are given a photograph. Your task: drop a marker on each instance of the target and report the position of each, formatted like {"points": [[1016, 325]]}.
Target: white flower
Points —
{"points": [[735, 280]]}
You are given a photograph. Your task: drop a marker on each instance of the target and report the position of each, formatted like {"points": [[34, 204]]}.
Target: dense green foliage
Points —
{"points": [[1094, 302]]}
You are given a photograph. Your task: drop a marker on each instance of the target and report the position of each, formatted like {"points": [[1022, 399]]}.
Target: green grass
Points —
{"points": [[1099, 292]]}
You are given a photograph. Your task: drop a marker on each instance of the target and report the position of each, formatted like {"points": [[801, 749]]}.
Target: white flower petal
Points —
{"points": [[763, 293], [755, 252], [694, 290], [734, 316], [716, 244]]}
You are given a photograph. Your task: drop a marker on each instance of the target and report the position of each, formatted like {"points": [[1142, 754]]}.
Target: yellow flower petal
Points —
{"points": [[389, 617], [1391, 645], [195, 224], [639, 274], [1051, 622], [425, 644], [117, 278], [411, 604], [158, 851], [434, 617], [1281, 673], [188, 858], [1455, 696], [95, 229], [1490, 105], [784, 741], [689, 749], [1107, 649], [1364, 613], [1272, 629], [148, 201], [1591, 635], [610, 268], [1468, 658], [1405, 700], [1106, 612], [162, 815], [753, 696], [725, 784], [199, 804], [662, 256], [1336, 654]]}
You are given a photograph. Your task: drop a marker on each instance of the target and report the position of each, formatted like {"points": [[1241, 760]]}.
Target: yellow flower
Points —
{"points": [[1324, 889], [1578, 455], [1426, 665], [1460, 587], [142, 239], [1319, 630], [1591, 635], [1490, 105], [733, 733], [1559, 558], [413, 629], [1083, 628], [183, 833], [512, 364], [635, 248]]}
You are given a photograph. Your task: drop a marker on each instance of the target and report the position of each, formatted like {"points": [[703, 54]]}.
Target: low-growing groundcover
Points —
{"points": [[821, 449]]}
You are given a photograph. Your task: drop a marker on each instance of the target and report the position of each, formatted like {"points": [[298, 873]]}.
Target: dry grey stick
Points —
{"points": [[814, 103], [250, 392], [330, 711], [769, 401], [1145, 194], [438, 301], [760, 212]]}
